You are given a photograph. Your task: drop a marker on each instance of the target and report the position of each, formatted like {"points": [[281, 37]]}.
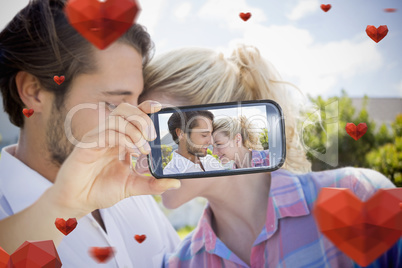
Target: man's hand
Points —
{"points": [[93, 178]]}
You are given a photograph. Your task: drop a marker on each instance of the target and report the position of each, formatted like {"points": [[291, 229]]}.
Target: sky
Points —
{"points": [[320, 52]]}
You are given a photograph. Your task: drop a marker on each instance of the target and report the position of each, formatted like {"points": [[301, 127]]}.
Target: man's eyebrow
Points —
{"points": [[118, 92]]}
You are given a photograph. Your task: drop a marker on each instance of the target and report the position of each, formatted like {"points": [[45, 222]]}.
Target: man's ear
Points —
{"points": [[30, 91], [179, 133]]}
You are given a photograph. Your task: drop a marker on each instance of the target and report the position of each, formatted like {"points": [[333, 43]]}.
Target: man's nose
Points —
{"points": [[214, 150]]}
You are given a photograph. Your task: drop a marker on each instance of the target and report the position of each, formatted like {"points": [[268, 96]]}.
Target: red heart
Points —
{"points": [[377, 34], [325, 7], [32, 254], [4, 259], [59, 80], [66, 227], [101, 22], [356, 132], [390, 9], [245, 16], [140, 238], [363, 231], [27, 112], [101, 255]]}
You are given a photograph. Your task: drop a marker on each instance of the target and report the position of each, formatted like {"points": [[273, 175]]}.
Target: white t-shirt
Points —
{"points": [[180, 164], [21, 186]]}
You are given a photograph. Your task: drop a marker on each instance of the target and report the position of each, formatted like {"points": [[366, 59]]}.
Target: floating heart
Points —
{"points": [[101, 255], [325, 7], [377, 34], [363, 231], [245, 16], [27, 112], [32, 254], [66, 227], [390, 9], [140, 238], [4, 259], [59, 80], [101, 22], [356, 132]]}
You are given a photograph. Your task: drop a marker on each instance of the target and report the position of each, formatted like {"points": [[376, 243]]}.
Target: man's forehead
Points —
{"points": [[119, 70], [202, 121], [204, 125]]}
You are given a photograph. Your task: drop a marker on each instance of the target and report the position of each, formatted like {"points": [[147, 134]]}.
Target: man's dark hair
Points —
{"points": [[186, 121], [40, 41]]}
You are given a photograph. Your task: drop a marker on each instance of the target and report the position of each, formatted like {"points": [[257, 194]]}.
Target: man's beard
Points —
{"points": [[193, 150], [57, 143]]}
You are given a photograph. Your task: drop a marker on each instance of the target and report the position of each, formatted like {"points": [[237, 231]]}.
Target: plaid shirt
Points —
{"points": [[290, 237], [259, 158]]}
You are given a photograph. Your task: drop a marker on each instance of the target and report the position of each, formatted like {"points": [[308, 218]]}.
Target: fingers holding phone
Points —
{"points": [[94, 177]]}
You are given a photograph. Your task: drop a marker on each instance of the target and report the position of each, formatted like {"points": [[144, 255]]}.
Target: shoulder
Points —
{"points": [[261, 153], [170, 168], [361, 181]]}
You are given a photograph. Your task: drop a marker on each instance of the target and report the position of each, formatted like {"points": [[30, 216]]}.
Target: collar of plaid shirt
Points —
{"points": [[285, 200]]}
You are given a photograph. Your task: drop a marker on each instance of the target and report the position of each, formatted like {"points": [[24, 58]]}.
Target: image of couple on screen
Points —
{"points": [[235, 144]]}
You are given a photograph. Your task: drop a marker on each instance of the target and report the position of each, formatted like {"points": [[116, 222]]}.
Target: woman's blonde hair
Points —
{"points": [[230, 127], [200, 76]]}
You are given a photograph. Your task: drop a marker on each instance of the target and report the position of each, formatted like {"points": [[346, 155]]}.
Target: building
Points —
{"points": [[381, 110]]}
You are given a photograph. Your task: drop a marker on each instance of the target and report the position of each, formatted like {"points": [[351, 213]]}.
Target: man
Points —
{"points": [[67, 162], [192, 131]]}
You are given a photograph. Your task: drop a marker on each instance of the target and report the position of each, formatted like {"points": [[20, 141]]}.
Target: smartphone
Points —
{"points": [[218, 139]]}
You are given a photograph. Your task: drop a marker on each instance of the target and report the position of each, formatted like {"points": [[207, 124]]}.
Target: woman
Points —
{"points": [[257, 220], [235, 143]]}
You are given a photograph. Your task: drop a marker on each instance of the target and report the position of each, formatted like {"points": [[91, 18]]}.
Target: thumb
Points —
{"points": [[143, 185], [141, 166]]}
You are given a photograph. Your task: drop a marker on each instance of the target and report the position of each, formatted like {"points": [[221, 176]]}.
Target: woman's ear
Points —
{"points": [[30, 91], [238, 140]]}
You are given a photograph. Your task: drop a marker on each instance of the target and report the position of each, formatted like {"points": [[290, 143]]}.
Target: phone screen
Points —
{"points": [[217, 140]]}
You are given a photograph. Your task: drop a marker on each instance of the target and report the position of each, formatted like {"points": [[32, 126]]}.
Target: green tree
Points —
{"points": [[350, 151], [214, 155], [166, 154], [264, 139], [397, 126], [383, 136], [387, 159]]}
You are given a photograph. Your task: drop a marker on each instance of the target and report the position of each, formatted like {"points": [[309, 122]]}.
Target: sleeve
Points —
{"points": [[368, 181]]}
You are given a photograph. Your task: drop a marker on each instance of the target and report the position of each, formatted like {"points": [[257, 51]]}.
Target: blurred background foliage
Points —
{"points": [[379, 148]]}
